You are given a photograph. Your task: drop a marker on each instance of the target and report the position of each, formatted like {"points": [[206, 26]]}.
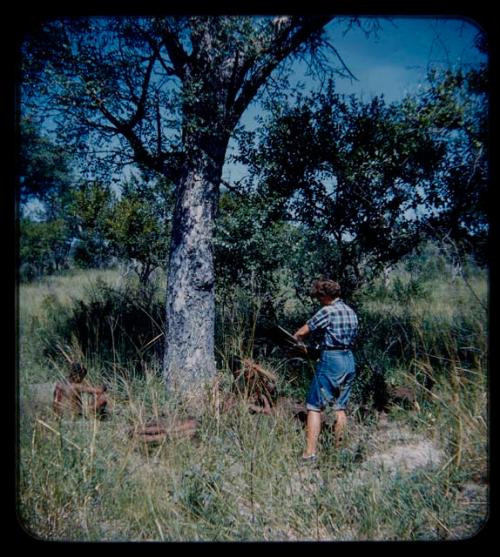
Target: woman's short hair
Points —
{"points": [[325, 287]]}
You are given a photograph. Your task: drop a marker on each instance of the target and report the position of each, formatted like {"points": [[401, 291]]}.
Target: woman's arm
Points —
{"points": [[302, 332]]}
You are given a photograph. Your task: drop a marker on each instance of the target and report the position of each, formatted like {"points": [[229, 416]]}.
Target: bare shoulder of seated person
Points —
{"points": [[68, 393]]}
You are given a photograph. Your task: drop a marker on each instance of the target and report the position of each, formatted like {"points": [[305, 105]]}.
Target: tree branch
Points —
{"points": [[336, 52], [231, 188], [159, 146], [156, 49], [141, 154], [176, 53], [288, 38], [117, 123], [141, 106]]}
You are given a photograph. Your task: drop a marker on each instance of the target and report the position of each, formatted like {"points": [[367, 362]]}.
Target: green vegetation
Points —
{"points": [[389, 199], [240, 478]]}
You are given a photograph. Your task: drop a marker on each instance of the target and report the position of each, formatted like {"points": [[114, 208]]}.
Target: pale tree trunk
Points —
{"points": [[218, 85], [189, 361]]}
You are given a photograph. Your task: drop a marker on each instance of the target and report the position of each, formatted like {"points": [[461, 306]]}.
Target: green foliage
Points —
{"points": [[45, 177], [100, 73], [348, 171], [43, 247], [249, 245], [96, 226], [423, 319], [91, 210], [117, 326], [368, 181], [44, 168], [455, 108], [138, 226], [405, 292]]}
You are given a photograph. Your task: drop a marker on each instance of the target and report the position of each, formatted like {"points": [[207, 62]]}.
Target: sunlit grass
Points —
{"points": [[241, 479]]}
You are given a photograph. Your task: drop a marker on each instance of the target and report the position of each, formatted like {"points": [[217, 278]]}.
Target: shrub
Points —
{"points": [[118, 326]]}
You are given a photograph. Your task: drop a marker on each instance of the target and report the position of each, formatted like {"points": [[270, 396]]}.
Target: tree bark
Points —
{"points": [[217, 87], [189, 360]]}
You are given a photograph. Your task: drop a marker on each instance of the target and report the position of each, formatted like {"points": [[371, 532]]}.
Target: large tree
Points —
{"points": [[456, 107], [167, 93], [355, 176]]}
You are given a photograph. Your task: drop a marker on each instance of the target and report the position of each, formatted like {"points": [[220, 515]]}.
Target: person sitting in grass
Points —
{"points": [[335, 369], [68, 394]]}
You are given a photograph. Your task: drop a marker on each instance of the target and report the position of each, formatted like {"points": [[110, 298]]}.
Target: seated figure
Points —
{"points": [[68, 394]]}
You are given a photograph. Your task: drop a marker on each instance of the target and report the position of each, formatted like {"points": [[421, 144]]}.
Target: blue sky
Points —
{"points": [[396, 62], [393, 63]]}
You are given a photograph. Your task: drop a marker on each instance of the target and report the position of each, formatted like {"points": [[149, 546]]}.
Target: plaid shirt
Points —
{"points": [[339, 322]]}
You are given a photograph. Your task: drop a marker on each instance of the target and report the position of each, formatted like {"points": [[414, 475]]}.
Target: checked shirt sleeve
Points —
{"points": [[319, 320]]}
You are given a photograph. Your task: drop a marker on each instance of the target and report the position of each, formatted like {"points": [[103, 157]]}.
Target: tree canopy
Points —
{"points": [[351, 185]]}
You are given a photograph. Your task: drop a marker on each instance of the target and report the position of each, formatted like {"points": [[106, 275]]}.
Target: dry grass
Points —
{"points": [[418, 474]]}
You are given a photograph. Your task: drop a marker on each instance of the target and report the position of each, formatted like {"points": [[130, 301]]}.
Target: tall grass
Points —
{"points": [[241, 479]]}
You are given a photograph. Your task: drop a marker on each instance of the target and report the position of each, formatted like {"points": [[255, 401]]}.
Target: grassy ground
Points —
{"points": [[415, 473]]}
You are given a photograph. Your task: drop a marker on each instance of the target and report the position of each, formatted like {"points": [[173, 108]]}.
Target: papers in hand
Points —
{"points": [[290, 338]]}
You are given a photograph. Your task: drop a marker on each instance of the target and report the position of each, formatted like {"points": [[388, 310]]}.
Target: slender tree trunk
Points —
{"points": [[189, 360]]}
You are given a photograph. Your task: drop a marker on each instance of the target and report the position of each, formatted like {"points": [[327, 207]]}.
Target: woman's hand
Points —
{"points": [[302, 332]]}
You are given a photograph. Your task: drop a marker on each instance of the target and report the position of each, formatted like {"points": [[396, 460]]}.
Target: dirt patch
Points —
{"points": [[407, 457], [395, 448], [391, 449]]}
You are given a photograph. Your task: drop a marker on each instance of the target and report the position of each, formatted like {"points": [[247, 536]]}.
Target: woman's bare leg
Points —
{"points": [[313, 430]]}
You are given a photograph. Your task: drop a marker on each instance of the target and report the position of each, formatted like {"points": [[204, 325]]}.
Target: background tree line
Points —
{"points": [[333, 184]]}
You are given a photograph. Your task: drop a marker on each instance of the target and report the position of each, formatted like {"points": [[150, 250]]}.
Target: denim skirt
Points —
{"points": [[333, 379]]}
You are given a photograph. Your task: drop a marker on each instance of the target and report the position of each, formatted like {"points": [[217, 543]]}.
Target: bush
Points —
{"points": [[118, 326], [43, 248]]}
